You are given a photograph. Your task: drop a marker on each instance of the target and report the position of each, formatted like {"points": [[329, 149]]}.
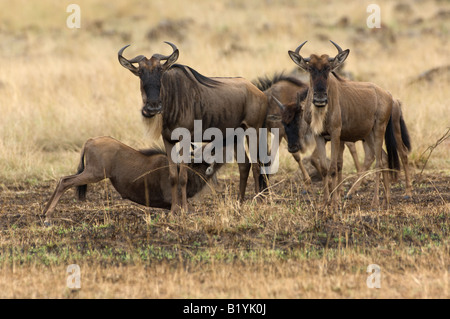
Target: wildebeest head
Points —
{"points": [[319, 68], [291, 115], [150, 72]]}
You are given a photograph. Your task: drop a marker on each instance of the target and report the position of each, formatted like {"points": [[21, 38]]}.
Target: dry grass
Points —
{"points": [[60, 86]]}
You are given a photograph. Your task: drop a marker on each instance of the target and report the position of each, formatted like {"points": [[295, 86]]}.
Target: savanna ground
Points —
{"points": [[60, 86]]}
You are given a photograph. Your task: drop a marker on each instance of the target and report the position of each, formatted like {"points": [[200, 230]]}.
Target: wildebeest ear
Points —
{"points": [[171, 59], [274, 117], [297, 58], [339, 59], [126, 64]]}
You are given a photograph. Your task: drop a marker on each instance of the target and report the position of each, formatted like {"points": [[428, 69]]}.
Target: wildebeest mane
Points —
{"points": [[204, 80], [152, 151], [264, 83], [183, 91], [339, 77]]}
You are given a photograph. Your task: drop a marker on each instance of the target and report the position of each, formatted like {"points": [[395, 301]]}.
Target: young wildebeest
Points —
{"points": [[347, 111], [183, 95], [284, 90], [140, 176]]}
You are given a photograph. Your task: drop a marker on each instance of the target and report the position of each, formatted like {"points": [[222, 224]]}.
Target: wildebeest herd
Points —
{"points": [[328, 108]]}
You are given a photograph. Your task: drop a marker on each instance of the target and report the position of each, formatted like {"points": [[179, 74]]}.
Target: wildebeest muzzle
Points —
{"points": [[151, 110], [320, 99]]}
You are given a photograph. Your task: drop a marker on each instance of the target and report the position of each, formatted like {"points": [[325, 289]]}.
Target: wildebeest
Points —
{"points": [[401, 136], [403, 142], [347, 111], [140, 176], [285, 95], [183, 95]]}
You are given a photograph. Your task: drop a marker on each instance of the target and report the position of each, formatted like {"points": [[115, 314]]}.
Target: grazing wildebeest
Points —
{"points": [[347, 111], [183, 95], [140, 176], [282, 93]]}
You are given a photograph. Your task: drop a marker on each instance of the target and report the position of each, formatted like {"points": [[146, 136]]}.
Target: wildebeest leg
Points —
{"points": [[244, 170], [335, 149], [182, 181], [378, 147], [369, 157], [315, 161], [352, 148], [256, 168], [386, 180], [404, 158], [340, 164], [298, 159], [64, 184], [173, 177], [321, 155]]}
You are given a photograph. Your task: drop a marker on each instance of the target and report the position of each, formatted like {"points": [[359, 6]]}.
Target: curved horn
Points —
{"points": [[300, 47], [123, 49], [337, 47], [174, 47], [166, 57], [137, 59], [298, 51], [281, 105], [134, 60]]}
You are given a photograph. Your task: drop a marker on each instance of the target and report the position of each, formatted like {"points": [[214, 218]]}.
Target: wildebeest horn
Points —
{"points": [[300, 47], [134, 60], [337, 47], [298, 51], [165, 57], [281, 105]]}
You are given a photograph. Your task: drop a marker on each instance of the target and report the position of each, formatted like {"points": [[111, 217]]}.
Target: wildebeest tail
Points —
{"points": [[391, 147], [81, 189], [405, 134]]}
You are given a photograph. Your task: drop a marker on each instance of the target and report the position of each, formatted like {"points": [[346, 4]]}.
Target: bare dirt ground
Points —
{"points": [[21, 205], [282, 247]]}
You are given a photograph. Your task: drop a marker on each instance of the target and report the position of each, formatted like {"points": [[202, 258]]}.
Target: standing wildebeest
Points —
{"points": [[403, 142], [284, 90], [183, 95], [140, 176], [347, 111], [400, 131]]}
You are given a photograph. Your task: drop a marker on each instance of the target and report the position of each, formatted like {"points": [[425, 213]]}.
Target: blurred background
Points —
{"points": [[60, 85]]}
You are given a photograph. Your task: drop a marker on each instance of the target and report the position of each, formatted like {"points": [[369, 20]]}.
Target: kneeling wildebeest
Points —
{"points": [[347, 111], [182, 95], [140, 176]]}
